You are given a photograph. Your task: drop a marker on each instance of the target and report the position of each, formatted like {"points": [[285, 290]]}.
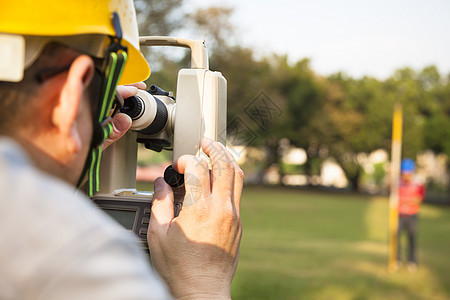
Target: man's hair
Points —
{"points": [[19, 100]]}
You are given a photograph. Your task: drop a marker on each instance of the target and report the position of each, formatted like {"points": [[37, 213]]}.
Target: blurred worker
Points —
{"points": [[60, 63], [411, 195]]}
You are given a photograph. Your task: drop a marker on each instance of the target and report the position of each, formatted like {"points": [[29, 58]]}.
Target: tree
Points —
{"points": [[339, 126], [159, 17], [406, 88], [437, 125], [255, 100], [305, 98], [213, 24]]}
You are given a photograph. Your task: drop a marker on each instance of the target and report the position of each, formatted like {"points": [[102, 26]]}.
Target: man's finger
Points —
{"points": [[223, 162], [223, 167], [237, 189], [162, 205], [127, 91], [140, 85], [196, 177], [121, 123]]}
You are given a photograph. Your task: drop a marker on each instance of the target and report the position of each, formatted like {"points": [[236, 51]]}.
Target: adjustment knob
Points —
{"points": [[173, 178]]}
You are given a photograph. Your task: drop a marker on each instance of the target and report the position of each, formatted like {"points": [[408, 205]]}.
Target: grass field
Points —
{"points": [[311, 245]]}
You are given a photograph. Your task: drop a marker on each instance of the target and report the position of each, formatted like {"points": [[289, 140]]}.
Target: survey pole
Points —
{"points": [[396, 154]]}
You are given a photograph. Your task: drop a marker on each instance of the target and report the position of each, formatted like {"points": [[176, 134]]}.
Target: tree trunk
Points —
{"points": [[311, 153], [447, 198], [272, 156], [354, 180], [352, 172]]}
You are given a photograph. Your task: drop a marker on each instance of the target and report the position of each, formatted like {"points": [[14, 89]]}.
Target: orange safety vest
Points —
{"points": [[410, 196]]}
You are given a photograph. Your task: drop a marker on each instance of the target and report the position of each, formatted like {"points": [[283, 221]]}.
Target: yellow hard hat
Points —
{"points": [[57, 18]]}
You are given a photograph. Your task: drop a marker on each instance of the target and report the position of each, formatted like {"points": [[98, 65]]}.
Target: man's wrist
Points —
{"points": [[203, 289]]}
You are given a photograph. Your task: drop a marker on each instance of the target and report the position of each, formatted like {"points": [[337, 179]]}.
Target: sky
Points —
{"points": [[359, 38]]}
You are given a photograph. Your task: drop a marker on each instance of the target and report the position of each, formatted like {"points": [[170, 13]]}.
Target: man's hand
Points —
{"points": [[122, 122], [197, 252]]}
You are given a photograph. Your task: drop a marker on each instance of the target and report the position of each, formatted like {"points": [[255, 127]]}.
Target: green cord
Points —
{"points": [[112, 76]]}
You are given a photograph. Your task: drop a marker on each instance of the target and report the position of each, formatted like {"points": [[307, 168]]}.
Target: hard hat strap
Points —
{"points": [[103, 128], [115, 59]]}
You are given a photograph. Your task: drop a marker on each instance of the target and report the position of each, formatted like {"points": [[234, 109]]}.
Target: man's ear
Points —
{"points": [[68, 104]]}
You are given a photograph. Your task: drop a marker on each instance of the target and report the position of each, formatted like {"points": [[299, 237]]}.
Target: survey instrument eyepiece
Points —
{"points": [[133, 107], [150, 113]]}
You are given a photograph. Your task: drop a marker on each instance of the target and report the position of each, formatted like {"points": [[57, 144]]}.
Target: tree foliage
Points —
{"points": [[158, 17]]}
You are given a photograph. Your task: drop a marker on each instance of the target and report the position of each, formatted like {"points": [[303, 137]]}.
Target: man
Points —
{"points": [[411, 195], [60, 64]]}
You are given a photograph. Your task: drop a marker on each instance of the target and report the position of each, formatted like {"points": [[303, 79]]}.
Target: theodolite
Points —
{"points": [[162, 122]]}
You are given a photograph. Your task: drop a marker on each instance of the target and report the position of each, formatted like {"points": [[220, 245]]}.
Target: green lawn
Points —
{"points": [[308, 245]]}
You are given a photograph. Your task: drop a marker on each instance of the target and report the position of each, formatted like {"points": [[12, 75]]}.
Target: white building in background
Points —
{"points": [[432, 166], [332, 175], [295, 156], [429, 166]]}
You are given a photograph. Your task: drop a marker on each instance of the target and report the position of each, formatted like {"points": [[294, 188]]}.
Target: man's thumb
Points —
{"points": [[162, 205]]}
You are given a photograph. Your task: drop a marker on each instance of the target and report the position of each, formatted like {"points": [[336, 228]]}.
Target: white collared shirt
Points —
{"points": [[56, 244]]}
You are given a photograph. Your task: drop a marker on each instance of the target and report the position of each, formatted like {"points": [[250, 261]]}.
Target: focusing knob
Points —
{"points": [[173, 178]]}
